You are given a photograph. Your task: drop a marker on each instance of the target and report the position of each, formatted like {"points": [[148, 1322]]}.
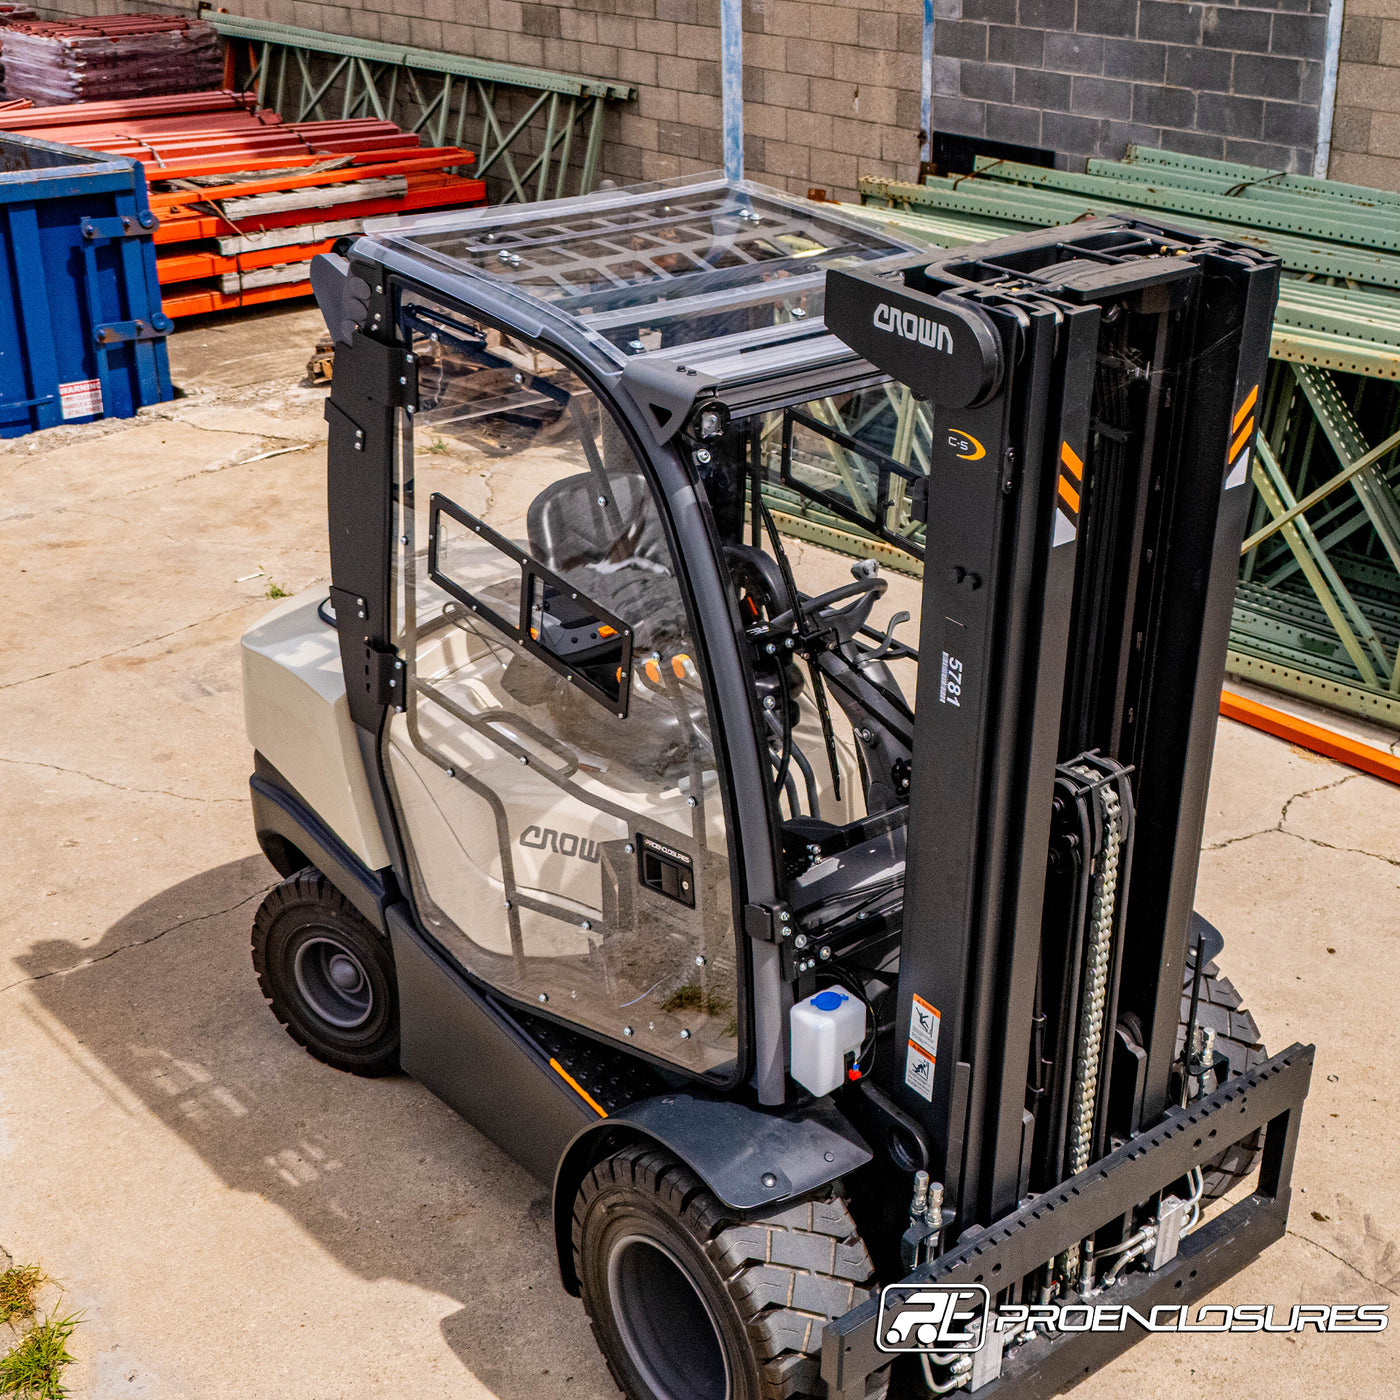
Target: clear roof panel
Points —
{"points": [[658, 265]]}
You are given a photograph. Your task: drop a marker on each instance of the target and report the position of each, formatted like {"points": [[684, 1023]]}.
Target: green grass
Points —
{"points": [[33, 1368], [274, 591], [18, 1286], [436, 446]]}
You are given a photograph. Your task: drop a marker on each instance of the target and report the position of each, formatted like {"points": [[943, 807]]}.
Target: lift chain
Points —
{"points": [[1093, 1003]]}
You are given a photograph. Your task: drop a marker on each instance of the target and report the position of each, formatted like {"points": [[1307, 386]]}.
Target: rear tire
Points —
{"points": [[328, 975], [689, 1300], [1237, 1037]]}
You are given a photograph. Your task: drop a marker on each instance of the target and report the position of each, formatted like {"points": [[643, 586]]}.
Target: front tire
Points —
{"points": [[1237, 1037], [691, 1301], [328, 975]]}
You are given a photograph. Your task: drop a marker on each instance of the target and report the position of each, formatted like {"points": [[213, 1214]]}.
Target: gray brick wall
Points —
{"points": [[831, 89], [832, 86], [1087, 77], [1366, 129]]}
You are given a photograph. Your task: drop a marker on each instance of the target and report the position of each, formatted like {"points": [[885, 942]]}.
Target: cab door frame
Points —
{"points": [[370, 411]]}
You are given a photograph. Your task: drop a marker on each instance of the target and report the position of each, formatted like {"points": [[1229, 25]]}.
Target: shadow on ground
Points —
{"points": [[381, 1175]]}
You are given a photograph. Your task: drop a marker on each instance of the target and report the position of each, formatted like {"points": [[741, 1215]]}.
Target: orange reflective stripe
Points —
{"points": [[1245, 434], [578, 1088], [1071, 459], [1244, 408], [1070, 495]]}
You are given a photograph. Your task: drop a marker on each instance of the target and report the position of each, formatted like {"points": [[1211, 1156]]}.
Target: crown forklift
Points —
{"points": [[846, 986]]}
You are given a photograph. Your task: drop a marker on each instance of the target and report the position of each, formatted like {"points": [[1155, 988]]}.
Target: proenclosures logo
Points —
{"points": [[951, 1318]]}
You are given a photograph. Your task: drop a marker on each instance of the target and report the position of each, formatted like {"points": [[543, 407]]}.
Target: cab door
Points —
{"points": [[554, 769]]}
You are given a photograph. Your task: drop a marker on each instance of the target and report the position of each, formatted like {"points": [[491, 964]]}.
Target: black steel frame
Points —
{"points": [[1269, 1096]]}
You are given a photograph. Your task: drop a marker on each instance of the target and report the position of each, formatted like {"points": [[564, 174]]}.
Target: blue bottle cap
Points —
{"points": [[829, 1001]]}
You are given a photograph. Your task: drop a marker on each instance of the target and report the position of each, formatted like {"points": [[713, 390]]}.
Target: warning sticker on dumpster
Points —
{"points": [[918, 1072], [923, 1026], [81, 399]]}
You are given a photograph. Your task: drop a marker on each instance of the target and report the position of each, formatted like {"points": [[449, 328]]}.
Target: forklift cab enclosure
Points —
{"points": [[737, 619]]}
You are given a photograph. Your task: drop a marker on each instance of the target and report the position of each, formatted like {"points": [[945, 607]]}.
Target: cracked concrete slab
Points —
{"points": [[237, 1220]]}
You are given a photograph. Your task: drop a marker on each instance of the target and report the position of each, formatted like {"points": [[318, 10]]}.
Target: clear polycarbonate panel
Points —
{"points": [[557, 721], [659, 265]]}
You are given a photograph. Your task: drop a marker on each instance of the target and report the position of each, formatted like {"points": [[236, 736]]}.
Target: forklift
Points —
{"points": [[845, 985]]}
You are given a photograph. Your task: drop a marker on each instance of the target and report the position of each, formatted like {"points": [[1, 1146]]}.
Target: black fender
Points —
{"points": [[292, 836], [749, 1159]]}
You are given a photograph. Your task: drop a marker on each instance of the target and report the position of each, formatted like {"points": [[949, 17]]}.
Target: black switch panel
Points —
{"points": [[666, 870]]}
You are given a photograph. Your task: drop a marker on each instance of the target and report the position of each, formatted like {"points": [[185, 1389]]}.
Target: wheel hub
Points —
{"points": [[333, 982], [665, 1322]]}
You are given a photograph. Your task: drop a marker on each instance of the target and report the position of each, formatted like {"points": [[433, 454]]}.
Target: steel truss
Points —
{"points": [[537, 134]]}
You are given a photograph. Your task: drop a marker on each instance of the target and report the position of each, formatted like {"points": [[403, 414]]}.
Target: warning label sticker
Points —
{"points": [[923, 1026], [918, 1072], [82, 398]]}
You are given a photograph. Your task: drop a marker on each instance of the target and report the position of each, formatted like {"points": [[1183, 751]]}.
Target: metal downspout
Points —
{"points": [[731, 60], [1328, 106]]}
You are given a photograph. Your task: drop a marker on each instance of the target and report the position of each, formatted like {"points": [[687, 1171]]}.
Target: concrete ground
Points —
{"points": [[234, 1219]]}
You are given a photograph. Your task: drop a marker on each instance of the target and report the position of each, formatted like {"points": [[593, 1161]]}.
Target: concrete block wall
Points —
{"points": [[1366, 129], [1087, 77], [831, 89]]}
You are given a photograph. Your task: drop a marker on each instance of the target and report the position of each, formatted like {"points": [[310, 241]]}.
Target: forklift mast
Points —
{"points": [[1094, 393]]}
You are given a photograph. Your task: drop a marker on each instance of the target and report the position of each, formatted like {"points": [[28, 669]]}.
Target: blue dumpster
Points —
{"points": [[82, 335]]}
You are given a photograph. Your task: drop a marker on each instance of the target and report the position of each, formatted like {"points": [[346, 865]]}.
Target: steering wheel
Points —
{"points": [[866, 589]]}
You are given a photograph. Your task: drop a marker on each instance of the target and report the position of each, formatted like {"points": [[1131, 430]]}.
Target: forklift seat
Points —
{"points": [[569, 530]]}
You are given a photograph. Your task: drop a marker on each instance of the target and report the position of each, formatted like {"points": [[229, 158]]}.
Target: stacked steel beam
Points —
{"points": [[111, 56], [1318, 608], [245, 200]]}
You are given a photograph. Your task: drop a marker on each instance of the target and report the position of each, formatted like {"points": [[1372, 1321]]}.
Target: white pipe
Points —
{"points": [[731, 62], [926, 88], [1328, 106]]}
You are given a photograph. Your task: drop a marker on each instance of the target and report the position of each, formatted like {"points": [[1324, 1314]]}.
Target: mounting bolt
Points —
{"points": [[544, 997], [685, 1035], [691, 802], [700, 960], [627, 1030], [451, 772], [702, 455], [507, 904], [769, 1180], [801, 940], [785, 917], [628, 848], [825, 955], [524, 759]]}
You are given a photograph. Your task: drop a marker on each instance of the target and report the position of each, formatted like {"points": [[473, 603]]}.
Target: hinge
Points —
{"points": [[383, 374], [387, 676], [767, 922], [115, 332], [120, 226]]}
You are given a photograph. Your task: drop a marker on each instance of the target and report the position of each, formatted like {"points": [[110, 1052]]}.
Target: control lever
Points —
{"points": [[887, 641]]}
